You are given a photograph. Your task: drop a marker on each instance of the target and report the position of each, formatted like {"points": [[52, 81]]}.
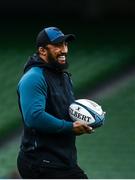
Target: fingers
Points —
{"points": [[81, 127], [89, 129]]}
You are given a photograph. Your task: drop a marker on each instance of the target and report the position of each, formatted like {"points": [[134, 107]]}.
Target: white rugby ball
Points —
{"points": [[88, 111]]}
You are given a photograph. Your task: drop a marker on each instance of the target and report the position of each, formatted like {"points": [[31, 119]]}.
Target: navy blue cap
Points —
{"points": [[52, 35]]}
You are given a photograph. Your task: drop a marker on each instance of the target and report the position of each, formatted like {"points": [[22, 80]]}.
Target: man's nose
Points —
{"points": [[64, 49]]}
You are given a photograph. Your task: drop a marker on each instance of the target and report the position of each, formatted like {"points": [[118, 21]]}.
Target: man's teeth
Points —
{"points": [[62, 58]]}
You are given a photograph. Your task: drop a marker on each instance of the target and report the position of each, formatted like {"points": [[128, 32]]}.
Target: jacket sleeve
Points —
{"points": [[33, 93]]}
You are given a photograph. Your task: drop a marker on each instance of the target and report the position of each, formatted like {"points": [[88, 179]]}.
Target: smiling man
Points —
{"points": [[44, 94]]}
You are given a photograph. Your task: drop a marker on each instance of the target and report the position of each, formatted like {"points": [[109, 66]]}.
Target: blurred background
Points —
{"points": [[102, 63]]}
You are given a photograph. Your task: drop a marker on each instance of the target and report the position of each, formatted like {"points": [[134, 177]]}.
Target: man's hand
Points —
{"points": [[81, 127]]}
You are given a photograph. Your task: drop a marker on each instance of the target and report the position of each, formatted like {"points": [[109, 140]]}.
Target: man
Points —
{"points": [[45, 93]]}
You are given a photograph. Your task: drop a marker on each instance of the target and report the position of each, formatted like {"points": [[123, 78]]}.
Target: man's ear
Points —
{"points": [[42, 51]]}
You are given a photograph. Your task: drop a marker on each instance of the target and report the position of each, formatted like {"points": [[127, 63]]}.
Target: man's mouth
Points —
{"points": [[62, 59]]}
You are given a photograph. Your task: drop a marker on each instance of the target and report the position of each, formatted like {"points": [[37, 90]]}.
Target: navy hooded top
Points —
{"points": [[44, 96]]}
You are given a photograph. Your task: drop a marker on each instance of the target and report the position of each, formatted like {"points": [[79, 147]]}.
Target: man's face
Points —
{"points": [[57, 55]]}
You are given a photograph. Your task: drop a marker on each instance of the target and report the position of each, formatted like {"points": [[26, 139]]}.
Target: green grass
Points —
{"points": [[90, 69], [109, 152], [11, 69], [8, 158]]}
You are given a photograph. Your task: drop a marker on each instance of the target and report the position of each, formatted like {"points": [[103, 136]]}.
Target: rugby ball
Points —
{"points": [[88, 111]]}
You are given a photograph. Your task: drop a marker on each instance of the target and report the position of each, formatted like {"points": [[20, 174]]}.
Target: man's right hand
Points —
{"points": [[81, 127]]}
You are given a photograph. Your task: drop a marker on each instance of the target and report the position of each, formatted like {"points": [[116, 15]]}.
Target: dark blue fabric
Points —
{"points": [[44, 97]]}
